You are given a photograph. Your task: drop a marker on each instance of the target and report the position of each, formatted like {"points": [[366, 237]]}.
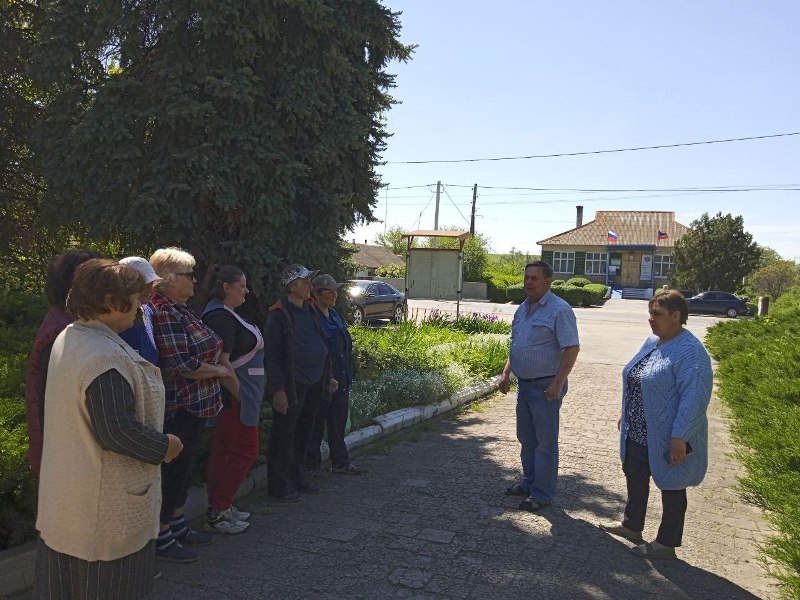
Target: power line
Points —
{"points": [[615, 150], [454, 204]]}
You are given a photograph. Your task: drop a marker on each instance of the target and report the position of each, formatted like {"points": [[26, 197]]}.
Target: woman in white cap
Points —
{"points": [[140, 336]]}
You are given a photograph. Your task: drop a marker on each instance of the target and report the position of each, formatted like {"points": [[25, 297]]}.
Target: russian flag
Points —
{"points": [[612, 237], [662, 235]]}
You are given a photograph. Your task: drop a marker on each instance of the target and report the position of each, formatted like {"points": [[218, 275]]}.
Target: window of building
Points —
{"points": [[564, 262], [596, 263], [662, 265]]}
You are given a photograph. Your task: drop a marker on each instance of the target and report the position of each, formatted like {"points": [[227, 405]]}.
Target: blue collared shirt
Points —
{"points": [[539, 336]]}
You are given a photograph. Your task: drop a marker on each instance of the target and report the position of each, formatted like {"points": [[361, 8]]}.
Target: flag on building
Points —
{"points": [[662, 235], [612, 237]]}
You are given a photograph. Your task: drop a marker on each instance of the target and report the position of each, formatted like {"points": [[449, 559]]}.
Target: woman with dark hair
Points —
{"points": [[333, 415], [235, 444], [99, 489], [666, 389], [58, 280]]}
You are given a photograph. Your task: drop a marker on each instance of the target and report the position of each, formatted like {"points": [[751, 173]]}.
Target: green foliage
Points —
{"points": [[223, 127], [512, 263], [557, 282], [585, 296], [516, 293], [393, 271], [393, 240], [715, 254], [473, 323], [757, 375], [578, 281], [496, 284], [411, 364], [775, 278]]}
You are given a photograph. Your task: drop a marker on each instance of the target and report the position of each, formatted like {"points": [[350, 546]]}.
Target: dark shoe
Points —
{"points": [[177, 554], [531, 505], [348, 469], [647, 551], [287, 497], [623, 532], [516, 490], [308, 488], [195, 538]]}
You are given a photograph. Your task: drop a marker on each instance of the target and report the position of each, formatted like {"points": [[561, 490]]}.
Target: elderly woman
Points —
{"points": [[663, 427], [299, 380], [99, 489], [58, 280], [140, 336], [333, 414], [235, 445], [189, 354]]}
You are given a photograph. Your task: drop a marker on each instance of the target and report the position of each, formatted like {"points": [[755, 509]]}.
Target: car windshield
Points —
{"points": [[357, 288]]}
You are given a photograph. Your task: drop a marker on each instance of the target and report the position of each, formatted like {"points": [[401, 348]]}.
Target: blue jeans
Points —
{"points": [[537, 431]]}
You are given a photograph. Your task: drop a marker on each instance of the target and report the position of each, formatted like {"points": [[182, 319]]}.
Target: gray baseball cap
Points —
{"points": [[295, 272], [325, 281]]}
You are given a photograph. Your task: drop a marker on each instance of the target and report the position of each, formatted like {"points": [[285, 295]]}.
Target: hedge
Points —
{"points": [[496, 284]]}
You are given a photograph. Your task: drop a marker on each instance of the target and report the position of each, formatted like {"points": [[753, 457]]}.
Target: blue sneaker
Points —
{"points": [[190, 537], [176, 553]]}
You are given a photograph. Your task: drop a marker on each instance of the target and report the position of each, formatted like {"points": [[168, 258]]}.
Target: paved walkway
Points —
{"points": [[428, 519]]}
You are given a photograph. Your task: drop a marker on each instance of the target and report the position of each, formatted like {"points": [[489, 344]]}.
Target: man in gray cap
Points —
{"points": [[140, 336], [298, 371]]}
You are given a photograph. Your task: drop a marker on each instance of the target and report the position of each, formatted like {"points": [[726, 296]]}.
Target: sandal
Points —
{"points": [[516, 490], [531, 505], [648, 551]]}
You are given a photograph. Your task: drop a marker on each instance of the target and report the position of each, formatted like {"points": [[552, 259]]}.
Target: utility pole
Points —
{"points": [[472, 217], [435, 241]]}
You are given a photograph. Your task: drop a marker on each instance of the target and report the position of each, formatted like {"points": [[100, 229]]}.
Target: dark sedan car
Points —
{"points": [[719, 303], [369, 300]]}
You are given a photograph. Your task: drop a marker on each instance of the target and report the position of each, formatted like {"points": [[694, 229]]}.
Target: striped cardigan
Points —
{"points": [[676, 390]]}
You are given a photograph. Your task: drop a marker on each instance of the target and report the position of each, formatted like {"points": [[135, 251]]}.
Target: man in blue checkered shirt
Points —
{"points": [[544, 346]]}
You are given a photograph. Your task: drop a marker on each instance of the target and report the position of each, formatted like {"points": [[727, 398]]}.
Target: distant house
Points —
{"points": [[632, 249], [369, 257]]}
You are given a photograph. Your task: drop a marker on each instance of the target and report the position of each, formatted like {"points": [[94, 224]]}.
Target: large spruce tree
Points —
{"points": [[245, 132]]}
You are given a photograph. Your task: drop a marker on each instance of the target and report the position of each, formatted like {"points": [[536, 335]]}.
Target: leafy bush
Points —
{"points": [[586, 296], [557, 282], [392, 271], [578, 281], [496, 284], [594, 294], [571, 294], [757, 373], [474, 323], [516, 293]]}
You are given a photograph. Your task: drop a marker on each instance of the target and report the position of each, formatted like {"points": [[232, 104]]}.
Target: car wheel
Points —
{"points": [[398, 314], [732, 312], [358, 316]]}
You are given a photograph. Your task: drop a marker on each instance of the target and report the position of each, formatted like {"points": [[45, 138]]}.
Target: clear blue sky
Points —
{"points": [[512, 78]]}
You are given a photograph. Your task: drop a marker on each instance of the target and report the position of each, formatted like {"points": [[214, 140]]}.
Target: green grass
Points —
{"points": [[758, 380]]}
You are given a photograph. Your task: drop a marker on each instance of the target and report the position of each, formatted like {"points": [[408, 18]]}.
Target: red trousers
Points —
{"points": [[234, 448]]}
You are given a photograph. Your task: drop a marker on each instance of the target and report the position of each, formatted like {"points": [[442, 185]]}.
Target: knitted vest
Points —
{"points": [[96, 504], [54, 323]]}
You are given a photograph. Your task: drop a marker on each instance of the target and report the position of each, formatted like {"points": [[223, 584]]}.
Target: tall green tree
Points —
{"points": [[245, 132], [716, 253], [393, 240], [775, 278]]}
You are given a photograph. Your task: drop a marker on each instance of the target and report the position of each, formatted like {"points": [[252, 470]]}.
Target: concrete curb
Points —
{"points": [[17, 564]]}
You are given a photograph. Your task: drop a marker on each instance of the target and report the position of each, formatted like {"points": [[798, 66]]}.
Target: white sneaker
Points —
{"points": [[240, 515], [223, 521]]}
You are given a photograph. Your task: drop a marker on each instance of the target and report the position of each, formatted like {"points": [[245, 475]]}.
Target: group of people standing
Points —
{"points": [[122, 381], [663, 424]]}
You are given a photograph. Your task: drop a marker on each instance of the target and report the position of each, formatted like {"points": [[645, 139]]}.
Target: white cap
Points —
{"points": [[141, 265]]}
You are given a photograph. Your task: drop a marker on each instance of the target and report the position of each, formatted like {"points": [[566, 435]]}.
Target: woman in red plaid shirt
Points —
{"points": [[189, 356]]}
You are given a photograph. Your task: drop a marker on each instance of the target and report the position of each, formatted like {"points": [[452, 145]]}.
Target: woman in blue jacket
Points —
{"points": [[663, 426]]}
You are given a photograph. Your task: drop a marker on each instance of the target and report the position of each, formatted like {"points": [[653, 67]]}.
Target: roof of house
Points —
{"points": [[373, 256], [632, 227]]}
